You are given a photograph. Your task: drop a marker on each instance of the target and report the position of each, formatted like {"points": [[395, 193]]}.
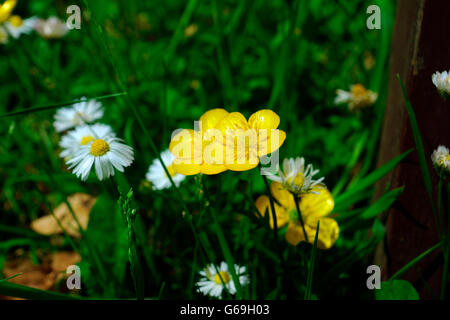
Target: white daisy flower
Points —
{"points": [[357, 98], [16, 26], [211, 283], [442, 82], [441, 160], [295, 177], [77, 114], [81, 136], [105, 153], [51, 28], [157, 176], [4, 38]]}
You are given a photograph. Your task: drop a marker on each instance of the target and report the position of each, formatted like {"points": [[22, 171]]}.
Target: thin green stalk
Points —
{"points": [[57, 105], [227, 254], [178, 34], [129, 216], [223, 245], [296, 200], [421, 153], [414, 261], [228, 91], [312, 265], [272, 207], [439, 205], [12, 277]]}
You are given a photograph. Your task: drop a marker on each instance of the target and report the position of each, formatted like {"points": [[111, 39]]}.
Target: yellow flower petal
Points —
{"points": [[186, 169], [6, 8], [232, 122], [270, 141], [241, 167], [317, 205], [186, 146], [211, 118], [263, 205], [212, 168], [328, 232], [264, 119], [283, 196], [294, 233]]}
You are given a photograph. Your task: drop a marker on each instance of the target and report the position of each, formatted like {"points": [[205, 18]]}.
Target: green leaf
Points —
{"points": [[396, 290], [382, 204], [370, 179]]}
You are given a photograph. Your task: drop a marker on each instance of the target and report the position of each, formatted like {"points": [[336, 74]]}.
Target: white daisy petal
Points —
{"points": [[157, 175], [212, 285], [100, 152]]}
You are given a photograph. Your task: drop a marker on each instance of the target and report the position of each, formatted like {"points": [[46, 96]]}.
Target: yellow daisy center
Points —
{"points": [[225, 277], [443, 159], [298, 180], [16, 21], [99, 147], [358, 90], [86, 140]]}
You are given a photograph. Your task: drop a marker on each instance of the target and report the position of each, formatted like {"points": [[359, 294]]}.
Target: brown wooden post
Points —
{"points": [[420, 47]]}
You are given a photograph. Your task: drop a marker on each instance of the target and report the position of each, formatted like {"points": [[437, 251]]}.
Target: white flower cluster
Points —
{"points": [[296, 177], [212, 282], [442, 82], [441, 160], [15, 26], [89, 144]]}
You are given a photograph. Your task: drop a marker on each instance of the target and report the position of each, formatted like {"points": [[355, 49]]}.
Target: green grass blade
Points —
{"points": [[227, 254], [371, 178], [357, 151], [414, 261], [382, 204], [12, 277], [15, 290], [312, 265], [57, 105], [421, 153]]}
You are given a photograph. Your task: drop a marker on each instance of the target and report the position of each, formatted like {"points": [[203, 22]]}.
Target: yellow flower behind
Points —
{"points": [[226, 141], [6, 8], [357, 98], [313, 206]]}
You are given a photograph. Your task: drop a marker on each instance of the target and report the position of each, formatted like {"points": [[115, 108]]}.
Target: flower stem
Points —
{"points": [[272, 207], [296, 200]]}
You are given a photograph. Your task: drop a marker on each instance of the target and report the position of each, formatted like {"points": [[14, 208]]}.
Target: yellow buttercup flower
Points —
{"points": [[6, 8], [189, 146], [226, 141], [313, 206], [246, 141]]}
